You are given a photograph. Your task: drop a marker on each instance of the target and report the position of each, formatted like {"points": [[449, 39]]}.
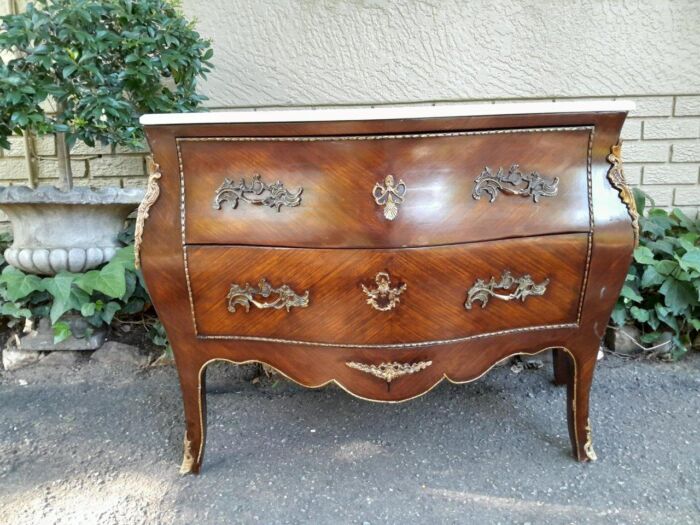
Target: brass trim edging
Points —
{"points": [[183, 235], [428, 135], [419, 344], [178, 140], [151, 196], [591, 225]]}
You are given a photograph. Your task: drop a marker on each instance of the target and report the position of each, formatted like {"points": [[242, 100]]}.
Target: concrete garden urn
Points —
{"points": [[56, 231]]}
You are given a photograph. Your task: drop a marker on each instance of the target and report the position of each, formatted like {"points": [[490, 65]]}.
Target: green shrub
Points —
{"points": [[661, 293]]}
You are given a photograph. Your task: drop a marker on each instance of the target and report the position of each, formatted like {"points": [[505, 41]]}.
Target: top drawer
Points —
{"points": [[335, 191]]}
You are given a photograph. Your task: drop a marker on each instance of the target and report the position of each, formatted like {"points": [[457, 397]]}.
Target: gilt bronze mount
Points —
{"points": [[258, 193], [151, 196], [390, 195], [245, 296], [390, 371], [524, 287], [515, 182], [616, 176], [384, 297]]}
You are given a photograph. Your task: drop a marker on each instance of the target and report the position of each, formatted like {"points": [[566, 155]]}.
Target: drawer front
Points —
{"points": [[386, 297], [385, 191]]}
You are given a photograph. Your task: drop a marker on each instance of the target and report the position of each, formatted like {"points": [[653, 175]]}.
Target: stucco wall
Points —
{"points": [[335, 52], [308, 52]]}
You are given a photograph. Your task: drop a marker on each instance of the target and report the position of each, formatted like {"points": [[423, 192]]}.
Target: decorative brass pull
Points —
{"points": [[390, 195], [384, 297], [244, 296], [390, 371], [524, 287], [258, 193], [516, 183]]}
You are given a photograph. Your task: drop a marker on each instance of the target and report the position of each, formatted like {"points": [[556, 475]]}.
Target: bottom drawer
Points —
{"points": [[375, 297]]}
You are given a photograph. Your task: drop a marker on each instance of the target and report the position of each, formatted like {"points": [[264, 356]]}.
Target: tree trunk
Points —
{"points": [[29, 159], [65, 172]]}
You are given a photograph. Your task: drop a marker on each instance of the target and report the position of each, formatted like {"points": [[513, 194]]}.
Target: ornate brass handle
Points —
{"points": [[258, 192], [384, 297], [515, 182], [390, 195], [390, 371], [245, 296], [524, 287]]}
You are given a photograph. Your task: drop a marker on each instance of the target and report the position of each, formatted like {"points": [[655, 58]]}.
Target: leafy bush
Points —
{"points": [[661, 293], [103, 62], [114, 290]]}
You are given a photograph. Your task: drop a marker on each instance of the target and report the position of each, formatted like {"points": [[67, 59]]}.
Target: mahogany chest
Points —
{"points": [[386, 249]]}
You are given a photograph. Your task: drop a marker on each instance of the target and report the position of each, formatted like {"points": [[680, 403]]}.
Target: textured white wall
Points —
{"points": [[321, 52]]}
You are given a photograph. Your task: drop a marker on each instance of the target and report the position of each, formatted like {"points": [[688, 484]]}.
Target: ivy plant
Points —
{"points": [[97, 295], [115, 290], [103, 63], [661, 293]]}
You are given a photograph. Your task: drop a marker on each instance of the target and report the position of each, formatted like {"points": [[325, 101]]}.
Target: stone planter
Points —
{"points": [[57, 231]]}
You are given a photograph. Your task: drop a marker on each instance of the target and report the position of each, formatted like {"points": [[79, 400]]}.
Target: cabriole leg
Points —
{"points": [[562, 367]]}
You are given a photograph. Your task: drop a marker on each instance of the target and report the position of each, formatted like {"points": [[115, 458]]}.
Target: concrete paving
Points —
{"points": [[88, 444]]}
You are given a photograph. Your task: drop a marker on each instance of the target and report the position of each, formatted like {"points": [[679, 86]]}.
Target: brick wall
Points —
{"points": [[661, 150], [95, 167]]}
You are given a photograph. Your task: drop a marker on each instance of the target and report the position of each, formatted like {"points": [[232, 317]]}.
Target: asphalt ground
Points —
{"points": [[91, 444]]}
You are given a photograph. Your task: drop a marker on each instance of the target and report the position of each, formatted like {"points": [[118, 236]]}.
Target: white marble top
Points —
{"points": [[385, 112]]}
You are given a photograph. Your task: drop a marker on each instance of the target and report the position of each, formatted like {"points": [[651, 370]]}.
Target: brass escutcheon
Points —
{"points": [[384, 297], [390, 195]]}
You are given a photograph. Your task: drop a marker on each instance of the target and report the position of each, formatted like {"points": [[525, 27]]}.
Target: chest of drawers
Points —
{"points": [[388, 249]]}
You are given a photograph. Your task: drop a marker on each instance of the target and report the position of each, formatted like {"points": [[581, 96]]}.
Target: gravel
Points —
{"points": [[91, 444]]}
